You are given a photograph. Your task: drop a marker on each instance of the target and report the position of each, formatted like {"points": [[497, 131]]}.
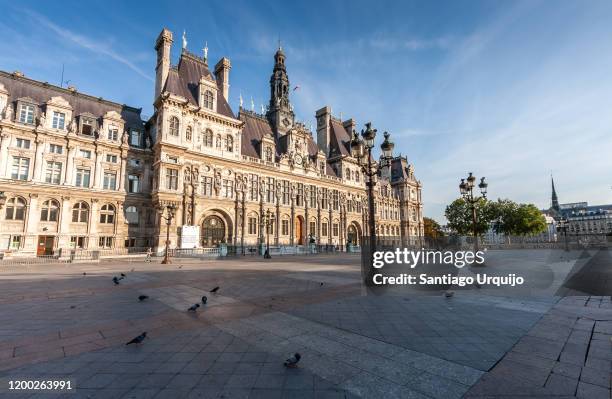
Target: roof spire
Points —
{"points": [[241, 101], [252, 104], [554, 198], [184, 40], [205, 50]]}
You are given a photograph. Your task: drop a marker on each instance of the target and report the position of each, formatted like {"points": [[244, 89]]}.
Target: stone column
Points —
{"points": [[145, 187], [4, 143], [31, 224], [69, 165], [97, 180], [318, 220], [64, 223], [243, 221], [122, 176], [92, 225], [277, 222], [38, 160], [236, 218]]}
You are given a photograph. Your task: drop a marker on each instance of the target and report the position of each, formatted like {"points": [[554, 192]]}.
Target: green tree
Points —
{"points": [[529, 220], [459, 216], [432, 228]]}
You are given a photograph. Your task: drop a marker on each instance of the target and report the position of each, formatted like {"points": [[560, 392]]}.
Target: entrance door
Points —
{"points": [[213, 231], [45, 245], [351, 235], [298, 230]]}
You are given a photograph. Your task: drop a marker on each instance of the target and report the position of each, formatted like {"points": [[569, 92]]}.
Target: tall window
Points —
{"points": [[110, 180], [111, 158], [135, 138], [252, 225], [230, 143], [174, 126], [208, 99], [324, 198], [107, 214], [53, 173], [133, 183], [87, 126], [313, 196], [286, 196], [26, 114], [335, 200], [285, 227], [80, 212], [15, 209], [299, 198], [85, 154], [105, 242], [228, 189], [21, 168], [171, 179], [59, 120], [131, 215], [49, 211], [188, 133], [254, 191], [207, 185], [22, 143], [56, 149], [335, 229], [82, 177], [313, 228], [78, 242], [269, 189], [324, 229], [208, 138], [113, 133], [219, 142]]}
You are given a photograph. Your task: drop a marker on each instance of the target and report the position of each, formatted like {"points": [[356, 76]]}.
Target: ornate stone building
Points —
{"points": [[79, 171]]}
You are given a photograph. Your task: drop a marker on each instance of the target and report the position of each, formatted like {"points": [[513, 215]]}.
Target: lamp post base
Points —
{"points": [[267, 255]]}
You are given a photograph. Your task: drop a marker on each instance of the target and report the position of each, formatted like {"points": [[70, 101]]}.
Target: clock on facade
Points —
{"points": [[298, 159]]}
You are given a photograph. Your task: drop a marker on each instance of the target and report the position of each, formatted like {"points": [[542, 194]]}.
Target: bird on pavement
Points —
{"points": [[138, 339], [204, 299], [194, 307], [116, 280], [142, 297], [293, 361], [214, 290], [84, 274], [122, 275]]}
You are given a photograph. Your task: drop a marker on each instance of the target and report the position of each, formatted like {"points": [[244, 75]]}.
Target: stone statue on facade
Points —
{"points": [[8, 112], [41, 119], [73, 126]]}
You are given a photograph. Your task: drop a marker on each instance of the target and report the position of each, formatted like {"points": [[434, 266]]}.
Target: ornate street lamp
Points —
{"points": [[466, 187], [562, 226], [361, 149], [170, 210], [268, 222]]}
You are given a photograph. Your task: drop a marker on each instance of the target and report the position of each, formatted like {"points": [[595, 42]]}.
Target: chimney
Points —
{"points": [[349, 126], [162, 46], [222, 76], [323, 129]]}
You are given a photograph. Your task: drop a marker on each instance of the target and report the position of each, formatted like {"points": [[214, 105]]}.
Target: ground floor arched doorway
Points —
{"points": [[213, 231], [299, 230], [353, 234]]}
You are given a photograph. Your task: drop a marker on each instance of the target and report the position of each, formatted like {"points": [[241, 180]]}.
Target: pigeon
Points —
{"points": [[138, 339], [142, 298], [293, 361], [321, 284], [122, 275], [214, 290], [116, 280], [449, 294], [84, 274], [193, 307], [204, 299]]}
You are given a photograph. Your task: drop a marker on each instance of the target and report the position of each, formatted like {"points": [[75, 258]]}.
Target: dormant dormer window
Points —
{"points": [[59, 120], [208, 99], [135, 138], [26, 114], [113, 133], [174, 126]]}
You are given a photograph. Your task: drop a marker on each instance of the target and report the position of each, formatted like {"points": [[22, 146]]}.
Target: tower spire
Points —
{"points": [[554, 198]]}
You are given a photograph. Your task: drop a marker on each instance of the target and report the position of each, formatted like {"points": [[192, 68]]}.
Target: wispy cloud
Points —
{"points": [[88, 43]]}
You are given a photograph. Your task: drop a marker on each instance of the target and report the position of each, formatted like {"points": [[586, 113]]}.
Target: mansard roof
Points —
{"points": [[340, 143], [184, 81], [20, 87], [255, 128]]}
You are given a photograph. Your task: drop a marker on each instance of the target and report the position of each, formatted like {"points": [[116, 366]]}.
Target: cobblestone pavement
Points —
{"points": [[71, 322]]}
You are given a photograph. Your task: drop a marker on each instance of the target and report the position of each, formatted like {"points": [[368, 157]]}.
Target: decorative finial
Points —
{"points": [[206, 50], [184, 40], [263, 110], [279, 43], [340, 116], [241, 101], [252, 104]]}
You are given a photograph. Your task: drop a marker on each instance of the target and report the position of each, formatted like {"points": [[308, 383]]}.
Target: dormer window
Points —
{"points": [[59, 120], [135, 138], [26, 114], [113, 133], [208, 99], [87, 126], [268, 154]]}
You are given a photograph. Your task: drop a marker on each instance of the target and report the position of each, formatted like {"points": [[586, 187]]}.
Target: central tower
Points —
{"points": [[280, 113]]}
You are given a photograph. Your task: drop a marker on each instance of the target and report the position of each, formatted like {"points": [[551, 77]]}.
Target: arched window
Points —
{"points": [[268, 154], [347, 174], [80, 212], [230, 143], [219, 143], [107, 214], [174, 126], [208, 138], [208, 99], [49, 211], [131, 215], [357, 176], [188, 133], [15, 209]]}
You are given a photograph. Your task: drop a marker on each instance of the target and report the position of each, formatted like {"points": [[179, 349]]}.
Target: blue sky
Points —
{"points": [[509, 90]]}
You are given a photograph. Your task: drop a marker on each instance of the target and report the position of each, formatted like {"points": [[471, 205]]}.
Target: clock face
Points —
{"points": [[286, 122], [298, 159]]}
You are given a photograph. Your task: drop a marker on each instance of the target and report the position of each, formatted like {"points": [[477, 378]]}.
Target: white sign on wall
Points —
{"points": [[190, 236]]}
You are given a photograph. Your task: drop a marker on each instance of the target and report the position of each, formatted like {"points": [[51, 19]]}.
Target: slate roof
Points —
{"points": [[184, 81], [255, 128], [41, 92], [340, 141]]}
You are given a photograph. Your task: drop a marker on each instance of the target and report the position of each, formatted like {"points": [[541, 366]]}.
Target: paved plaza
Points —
{"points": [[549, 338]]}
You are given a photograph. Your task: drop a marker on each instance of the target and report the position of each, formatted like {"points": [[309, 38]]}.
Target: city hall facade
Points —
{"points": [[81, 172]]}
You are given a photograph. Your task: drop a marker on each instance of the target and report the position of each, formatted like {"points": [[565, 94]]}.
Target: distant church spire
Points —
{"points": [[554, 198]]}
